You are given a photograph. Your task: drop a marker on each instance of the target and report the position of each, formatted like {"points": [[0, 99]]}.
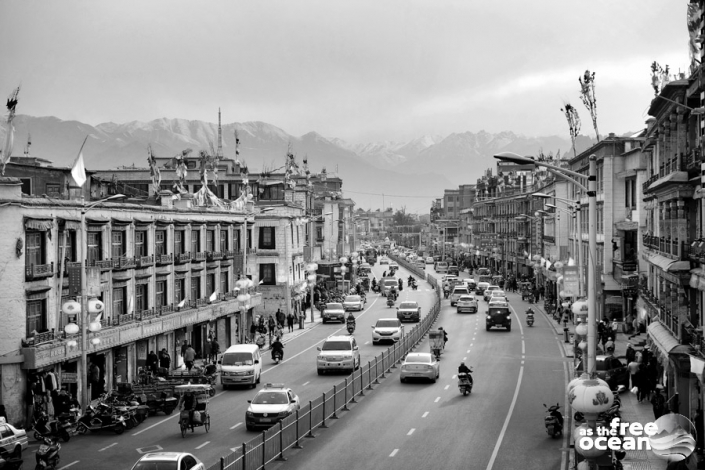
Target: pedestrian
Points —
{"points": [[215, 350], [609, 346], [635, 325], [281, 318], [658, 402], [638, 356], [536, 295], [633, 369], [541, 292], [260, 325], [290, 322], [253, 331], [207, 350], [189, 357], [643, 383], [152, 362], [271, 324], [183, 347], [165, 360], [630, 354]]}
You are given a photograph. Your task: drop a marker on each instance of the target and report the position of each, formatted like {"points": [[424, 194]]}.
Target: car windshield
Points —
{"points": [[334, 306], [408, 305], [460, 290], [466, 298], [387, 324], [270, 398], [352, 298], [498, 293], [157, 465], [237, 359], [422, 358], [336, 346]]}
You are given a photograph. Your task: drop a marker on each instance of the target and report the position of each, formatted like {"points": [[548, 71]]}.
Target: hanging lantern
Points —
{"points": [[71, 329], [344, 259], [584, 444], [247, 297], [94, 326], [694, 281], [241, 298], [578, 306], [701, 283], [562, 294], [311, 277], [576, 381], [71, 307], [95, 306], [72, 344], [581, 329], [591, 396], [95, 341]]}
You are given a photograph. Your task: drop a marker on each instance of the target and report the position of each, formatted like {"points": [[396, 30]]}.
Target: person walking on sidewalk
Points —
{"points": [[633, 370], [630, 354], [658, 402], [641, 380], [290, 322]]}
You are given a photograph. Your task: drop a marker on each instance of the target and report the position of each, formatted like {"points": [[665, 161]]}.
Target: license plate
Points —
{"points": [[265, 420]]}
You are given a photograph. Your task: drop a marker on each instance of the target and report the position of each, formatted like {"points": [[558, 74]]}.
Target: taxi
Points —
{"points": [[272, 403], [12, 440]]}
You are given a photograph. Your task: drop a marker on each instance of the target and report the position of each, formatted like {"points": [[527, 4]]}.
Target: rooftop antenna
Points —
{"points": [[28, 145], [219, 154]]}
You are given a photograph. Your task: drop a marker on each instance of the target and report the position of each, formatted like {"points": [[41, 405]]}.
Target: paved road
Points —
{"points": [[423, 425], [227, 408]]}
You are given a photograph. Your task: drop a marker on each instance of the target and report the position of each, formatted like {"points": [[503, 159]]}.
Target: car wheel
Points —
{"points": [[433, 380], [487, 327], [509, 327], [402, 380], [320, 371]]}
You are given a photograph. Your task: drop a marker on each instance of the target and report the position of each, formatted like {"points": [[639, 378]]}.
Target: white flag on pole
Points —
{"points": [[78, 171], [213, 296], [182, 303]]}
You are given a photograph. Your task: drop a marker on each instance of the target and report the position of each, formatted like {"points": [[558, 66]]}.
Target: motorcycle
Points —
{"points": [[390, 302], [553, 420], [277, 355], [530, 319], [261, 341], [436, 353], [48, 454], [45, 428], [414, 286], [446, 293], [410, 282], [464, 383], [99, 419], [351, 327]]}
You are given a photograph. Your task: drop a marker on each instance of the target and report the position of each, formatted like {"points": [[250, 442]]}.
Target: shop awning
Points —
{"points": [[70, 224], [661, 337], [39, 224], [668, 264]]}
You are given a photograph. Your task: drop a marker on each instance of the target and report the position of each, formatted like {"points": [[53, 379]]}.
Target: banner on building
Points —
{"points": [[571, 281]]}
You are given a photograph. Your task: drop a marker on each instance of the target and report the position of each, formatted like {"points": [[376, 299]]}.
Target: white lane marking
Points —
{"points": [[523, 356], [411, 432], [203, 445], [465, 358], [446, 387], [108, 447], [156, 424], [506, 421], [523, 347], [437, 400], [306, 383], [394, 452], [470, 345], [453, 377], [233, 427], [69, 465], [424, 415], [367, 342], [236, 449], [522, 362], [467, 351]]}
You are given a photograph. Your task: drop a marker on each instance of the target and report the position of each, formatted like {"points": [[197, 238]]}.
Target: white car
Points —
{"points": [[467, 303], [429, 260], [420, 366], [488, 292], [498, 294], [387, 329], [354, 302], [333, 312], [458, 291], [338, 353], [12, 440], [168, 461], [271, 404], [384, 261], [393, 265]]}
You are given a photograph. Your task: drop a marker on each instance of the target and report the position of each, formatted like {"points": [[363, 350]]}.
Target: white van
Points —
{"points": [[241, 364]]}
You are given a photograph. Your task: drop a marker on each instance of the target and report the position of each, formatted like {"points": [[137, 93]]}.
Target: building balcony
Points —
{"points": [[229, 254], [48, 348], [38, 271], [164, 259], [214, 255], [104, 265], [126, 263], [550, 239], [265, 252], [182, 258], [145, 261], [198, 256]]}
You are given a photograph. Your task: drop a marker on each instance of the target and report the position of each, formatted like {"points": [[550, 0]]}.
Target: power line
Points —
{"points": [[390, 195]]}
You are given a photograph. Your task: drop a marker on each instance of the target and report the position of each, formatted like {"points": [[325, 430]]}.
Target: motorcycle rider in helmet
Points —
{"points": [[463, 369], [277, 346], [445, 335]]}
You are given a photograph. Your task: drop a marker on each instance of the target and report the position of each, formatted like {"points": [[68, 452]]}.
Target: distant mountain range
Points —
{"points": [[419, 169]]}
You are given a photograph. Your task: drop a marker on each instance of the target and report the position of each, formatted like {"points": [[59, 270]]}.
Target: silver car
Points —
{"points": [[387, 329], [420, 366], [338, 353], [467, 303], [333, 312], [271, 404], [168, 461], [354, 302]]}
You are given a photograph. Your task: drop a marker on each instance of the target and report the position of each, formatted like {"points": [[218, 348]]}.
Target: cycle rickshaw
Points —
{"points": [[198, 416]]}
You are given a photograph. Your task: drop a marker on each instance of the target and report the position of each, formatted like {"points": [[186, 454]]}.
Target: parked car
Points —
{"points": [[333, 312], [488, 292], [12, 440], [354, 302], [272, 403], [467, 303], [409, 310], [457, 292], [420, 366], [610, 369], [387, 330], [168, 461], [483, 272], [338, 353], [393, 265]]}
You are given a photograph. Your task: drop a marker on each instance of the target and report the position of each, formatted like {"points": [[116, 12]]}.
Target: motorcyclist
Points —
{"points": [[530, 311], [410, 281], [277, 346], [446, 288], [374, 283], [393, 293], [445, 335], [558, 415], [384, 274], [463, 369], [401, 284], [350, 320]]}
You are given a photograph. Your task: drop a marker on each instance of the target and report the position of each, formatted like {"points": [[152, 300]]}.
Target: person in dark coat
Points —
{"points": [[164, 359], [640, 379], [253, 331], [281, 318], [215, 350], [152, 361], [290, 322], [630, 354], [658, 403]]}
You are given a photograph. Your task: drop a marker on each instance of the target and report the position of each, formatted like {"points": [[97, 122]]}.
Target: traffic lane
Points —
{"points": [[437, 413], [298, 371], [544, 381]]}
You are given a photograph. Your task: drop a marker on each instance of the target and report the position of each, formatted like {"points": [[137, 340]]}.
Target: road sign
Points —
{"points": [[571, 283]]}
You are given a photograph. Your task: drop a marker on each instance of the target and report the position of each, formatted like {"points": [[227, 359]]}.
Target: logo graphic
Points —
{"points": [[675, 439]]}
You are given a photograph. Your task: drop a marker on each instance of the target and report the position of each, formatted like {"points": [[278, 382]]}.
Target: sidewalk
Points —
{"points": [[632, 411]]}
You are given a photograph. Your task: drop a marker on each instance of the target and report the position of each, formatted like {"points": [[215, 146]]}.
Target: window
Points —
{"points": [[187, 463], [36, 316], [160, 294], [70, 254], [210, 240], [26, 186], [141, 299], [140, 243], [195, 241], [266, 238], [53, 190], [233, 191], [266, 274], [118, 244], [160, 242], [224, 285], [223, 240], [630, 192], [95, 252], [195, 287], [236, 239], [191, 164], [34, 251], [249, 238], [179, 290], [210, 284], [119, 307], [178, 242], [319, 233], [272, 193]]}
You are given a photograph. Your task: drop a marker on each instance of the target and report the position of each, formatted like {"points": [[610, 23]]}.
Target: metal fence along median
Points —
{"points": [[292, 431]]}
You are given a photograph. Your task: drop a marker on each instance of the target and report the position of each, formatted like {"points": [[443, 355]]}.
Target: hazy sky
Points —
{"points": [[358, 70]]}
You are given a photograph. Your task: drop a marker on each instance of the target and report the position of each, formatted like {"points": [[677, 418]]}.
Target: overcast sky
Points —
{"points": [[358, 70]]}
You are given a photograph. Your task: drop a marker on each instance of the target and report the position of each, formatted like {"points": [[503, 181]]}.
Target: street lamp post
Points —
{"points": [[84, 288], [576, 179]]}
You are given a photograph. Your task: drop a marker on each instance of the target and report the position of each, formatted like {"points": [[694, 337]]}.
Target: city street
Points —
{"points": [[422, 425], [227, 408]]}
